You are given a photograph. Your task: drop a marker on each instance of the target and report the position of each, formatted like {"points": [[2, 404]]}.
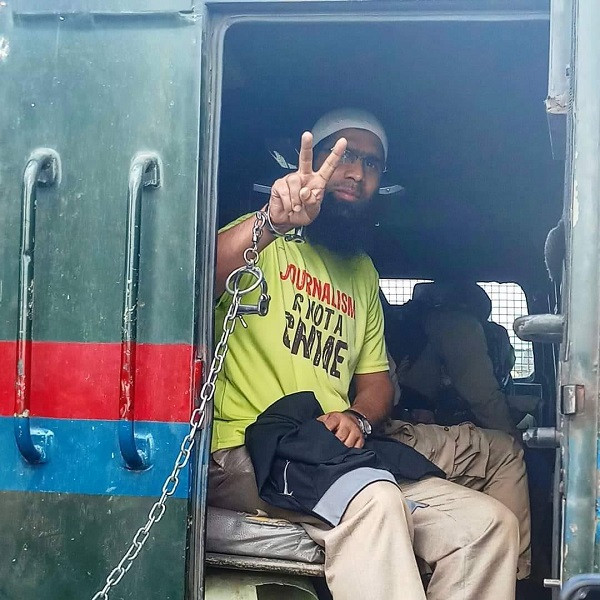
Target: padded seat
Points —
{"points": [[240, 534]]}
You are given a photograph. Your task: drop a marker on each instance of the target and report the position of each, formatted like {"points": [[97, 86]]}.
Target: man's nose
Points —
{"points": [[356, 170]]}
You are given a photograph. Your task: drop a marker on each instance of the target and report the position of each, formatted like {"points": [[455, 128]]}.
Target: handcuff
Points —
{"points": [[295, 234]]}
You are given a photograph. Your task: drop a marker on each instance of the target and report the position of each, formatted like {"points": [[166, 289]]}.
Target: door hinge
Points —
{"points": [[572, 398]]}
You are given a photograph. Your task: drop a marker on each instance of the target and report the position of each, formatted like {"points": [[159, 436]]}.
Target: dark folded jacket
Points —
{"points": [[301, 466]]}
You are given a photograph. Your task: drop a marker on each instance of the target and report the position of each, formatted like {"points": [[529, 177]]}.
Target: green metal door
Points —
{"points": [[575, 29], [99, 130]]}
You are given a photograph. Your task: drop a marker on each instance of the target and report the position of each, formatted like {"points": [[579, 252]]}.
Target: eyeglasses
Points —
{"points": [[371, 164]]}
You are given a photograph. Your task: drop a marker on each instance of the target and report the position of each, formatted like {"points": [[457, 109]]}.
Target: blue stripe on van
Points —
{"points": [[84, 458]]}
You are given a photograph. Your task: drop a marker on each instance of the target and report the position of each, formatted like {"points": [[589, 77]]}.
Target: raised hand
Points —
{"points": [[296, 198]]}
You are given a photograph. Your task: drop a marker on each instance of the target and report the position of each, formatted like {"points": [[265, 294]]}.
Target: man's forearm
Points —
{"points": [[374, 399], [376, 411]]}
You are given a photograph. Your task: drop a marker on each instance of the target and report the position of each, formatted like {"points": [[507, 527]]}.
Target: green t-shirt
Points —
{"points": [[325, 323]]}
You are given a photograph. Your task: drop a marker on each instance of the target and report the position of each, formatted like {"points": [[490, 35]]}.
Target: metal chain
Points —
{"points": [[251, 254], [199, 414]]}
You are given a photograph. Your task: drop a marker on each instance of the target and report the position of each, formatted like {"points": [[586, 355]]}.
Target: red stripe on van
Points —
{"points": [[74, 380]]}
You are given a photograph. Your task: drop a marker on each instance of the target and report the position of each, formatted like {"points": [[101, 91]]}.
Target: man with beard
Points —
{"points": [[323, 331]]}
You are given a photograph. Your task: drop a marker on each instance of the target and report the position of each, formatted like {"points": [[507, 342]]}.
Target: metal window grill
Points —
{"points": [[508, 303]]}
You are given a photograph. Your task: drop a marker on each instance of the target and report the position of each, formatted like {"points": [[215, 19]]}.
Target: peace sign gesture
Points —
{"points": [[296, 198]]}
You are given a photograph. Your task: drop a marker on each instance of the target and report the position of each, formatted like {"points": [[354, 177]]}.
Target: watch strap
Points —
{"points": [[364, 423]]}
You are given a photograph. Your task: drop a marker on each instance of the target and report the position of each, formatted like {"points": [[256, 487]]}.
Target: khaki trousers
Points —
{"points": [[481, 459], [471, 540]]}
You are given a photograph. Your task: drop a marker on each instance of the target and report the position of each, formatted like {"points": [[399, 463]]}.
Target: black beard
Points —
{"points": [[344, 228]]}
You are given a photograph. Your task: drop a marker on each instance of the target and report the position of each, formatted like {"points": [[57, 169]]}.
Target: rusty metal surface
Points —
{"points": [[580, 548]]}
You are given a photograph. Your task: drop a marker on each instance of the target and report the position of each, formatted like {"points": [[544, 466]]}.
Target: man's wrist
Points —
{"points": [[274, 229], [363, 423]]}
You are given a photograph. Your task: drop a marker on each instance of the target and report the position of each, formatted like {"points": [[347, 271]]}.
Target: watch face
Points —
{"points": [[367, 427]]}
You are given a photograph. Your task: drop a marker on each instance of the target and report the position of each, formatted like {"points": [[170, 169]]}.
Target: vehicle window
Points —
{"points": [[508, 303]]}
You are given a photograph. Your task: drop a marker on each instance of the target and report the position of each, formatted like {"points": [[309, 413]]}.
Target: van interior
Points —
{"points": [[472, 187]]}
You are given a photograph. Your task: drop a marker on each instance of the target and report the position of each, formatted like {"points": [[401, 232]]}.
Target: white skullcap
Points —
{"points": [[348, 118]]}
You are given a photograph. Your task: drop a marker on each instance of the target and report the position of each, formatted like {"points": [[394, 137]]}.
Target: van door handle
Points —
{"points": [[546, 329], [43, 168], [135, 448]]}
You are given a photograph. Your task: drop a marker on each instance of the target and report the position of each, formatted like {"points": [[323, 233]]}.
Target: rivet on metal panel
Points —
{"points": [[50, 172], [151, 175]]}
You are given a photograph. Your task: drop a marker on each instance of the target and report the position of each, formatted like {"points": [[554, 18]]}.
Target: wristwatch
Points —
{"points": [[363, 422]]}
